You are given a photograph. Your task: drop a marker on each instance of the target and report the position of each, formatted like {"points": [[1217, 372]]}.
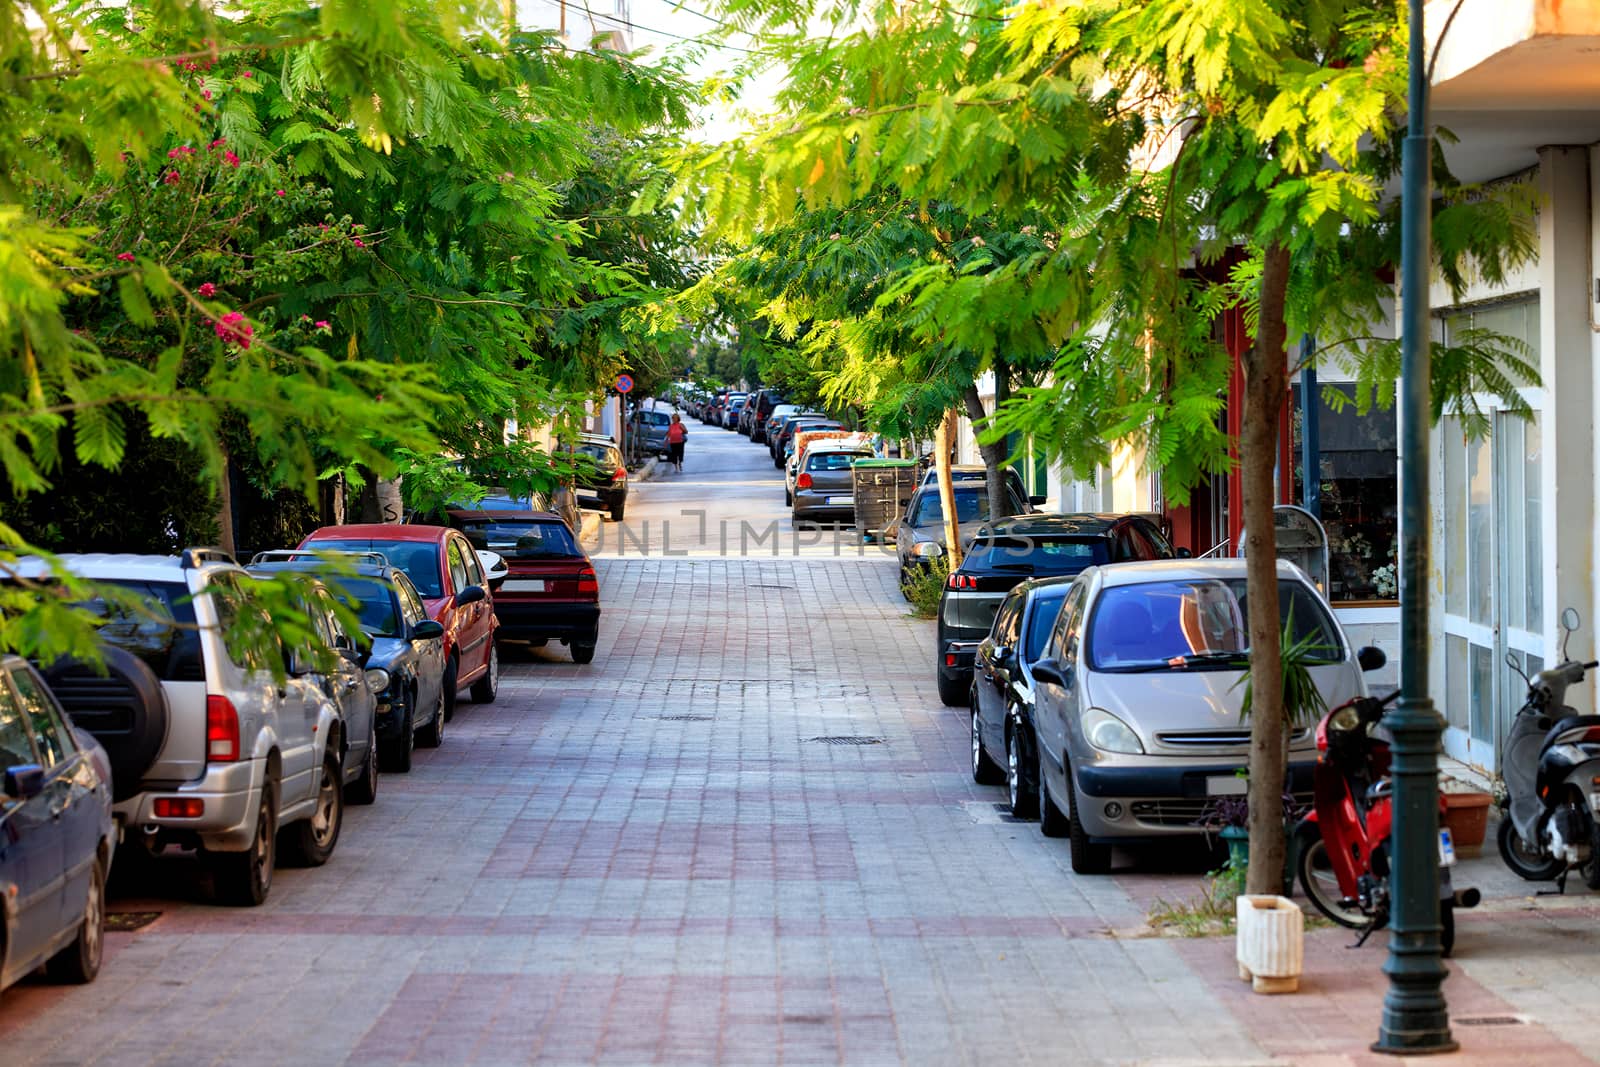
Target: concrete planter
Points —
{"points": [[1270, 943]]}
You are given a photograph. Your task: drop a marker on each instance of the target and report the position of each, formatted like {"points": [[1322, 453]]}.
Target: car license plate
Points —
{"points": [[841, 500], [1230, 785], [523, 585], [1447, 849]]}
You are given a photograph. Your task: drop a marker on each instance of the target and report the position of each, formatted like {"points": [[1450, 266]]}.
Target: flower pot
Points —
{"points": [[1269, 945], [1237, 838], [1466, 816]]}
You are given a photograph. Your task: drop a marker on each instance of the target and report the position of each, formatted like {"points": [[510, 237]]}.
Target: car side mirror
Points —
{"points": [[427, 630], [24, 780], [470, 595], [1049, 670], [1182, 552], [1037, 500], [1372, 658]]}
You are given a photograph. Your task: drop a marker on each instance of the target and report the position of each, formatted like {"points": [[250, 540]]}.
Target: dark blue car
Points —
{"points": [[57, 834]]}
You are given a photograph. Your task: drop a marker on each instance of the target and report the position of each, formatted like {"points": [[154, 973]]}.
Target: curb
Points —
{"points": [[589, 527], [647, 470]]}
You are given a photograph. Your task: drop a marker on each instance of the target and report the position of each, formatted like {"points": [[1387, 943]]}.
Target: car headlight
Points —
{"points": [[1110, 734], [377, 680], [927, 549]]}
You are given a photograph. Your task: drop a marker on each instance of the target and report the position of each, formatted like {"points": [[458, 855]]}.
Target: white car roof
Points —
{"points": [[105, 565]]}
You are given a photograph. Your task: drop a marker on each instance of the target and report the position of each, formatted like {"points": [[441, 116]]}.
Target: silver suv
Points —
{"points": [[208, 750]]}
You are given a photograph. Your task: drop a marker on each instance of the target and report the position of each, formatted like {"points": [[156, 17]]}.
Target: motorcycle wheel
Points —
{"points": [[1321, 885], [1447, 920], [1528, 863]]}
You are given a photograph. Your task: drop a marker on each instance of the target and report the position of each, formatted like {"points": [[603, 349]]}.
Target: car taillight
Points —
{"points": [[179, 807], [588, 581], [961, 581], [222, 730], [619, 474], [804, 481]]}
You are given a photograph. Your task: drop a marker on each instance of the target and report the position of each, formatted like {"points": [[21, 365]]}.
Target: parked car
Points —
{"points": [[732, 412], [976, 472], [919, 534], [785, 439], [803, 440], [1136, 700], [755, 412], [1005, 552], [779, 411], [605, 476], [448, 574], [551, 592], [647, 429], [824, 491], [208, 750], [57, 835], [1002, 691], [406, 661]]}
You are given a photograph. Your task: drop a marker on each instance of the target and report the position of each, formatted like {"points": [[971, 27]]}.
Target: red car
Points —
{"points": [[551, 592], [444, 567]]}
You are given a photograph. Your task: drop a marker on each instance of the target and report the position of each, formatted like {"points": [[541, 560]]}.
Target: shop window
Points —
{"points": [[1359, 497]]}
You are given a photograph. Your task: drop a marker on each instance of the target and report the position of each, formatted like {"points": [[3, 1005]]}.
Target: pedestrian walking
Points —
{"points": [[675, 435]]}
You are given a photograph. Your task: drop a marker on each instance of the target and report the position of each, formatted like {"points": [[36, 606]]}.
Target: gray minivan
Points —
{"points": [[824, 491]]}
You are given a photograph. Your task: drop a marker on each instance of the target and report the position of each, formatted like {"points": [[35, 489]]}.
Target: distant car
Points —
{"points": [[973, 472], [57, 835], [731, 413], [1002, 691], [648, 428], [407, 647], [778, 412], [551, 592], [825, 490], [919, 534], [448, 574], [1136, 699], [755, 412], [785, 438], [1025, 546], [604, 476]]}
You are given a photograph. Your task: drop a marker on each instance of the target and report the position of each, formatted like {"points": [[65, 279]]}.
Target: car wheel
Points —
{"points": [[451, 689], [1321, 885], [984, 772], [617, 509], [1051, 822], [245, 878], [432, 735], [954, 692], [364, 790], [788, 497], [400, 752], [582, 653], [1087, 857], [485, 689], [1019, 787], [311, 841], [79, 962]]}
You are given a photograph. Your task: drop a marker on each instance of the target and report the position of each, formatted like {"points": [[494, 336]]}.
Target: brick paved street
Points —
{"points": [[657, 859]]}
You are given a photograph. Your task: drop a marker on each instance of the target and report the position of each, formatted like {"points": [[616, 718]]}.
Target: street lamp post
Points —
{"points": [[1415, 1018]]}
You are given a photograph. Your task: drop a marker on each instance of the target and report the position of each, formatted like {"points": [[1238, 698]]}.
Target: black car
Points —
{"points": [[601, 473], [1025, 546], [1002, 690], [407, 646], [752, 419]]}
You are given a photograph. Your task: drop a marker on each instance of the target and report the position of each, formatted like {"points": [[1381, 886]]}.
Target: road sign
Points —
{"points": [[624, 383]]}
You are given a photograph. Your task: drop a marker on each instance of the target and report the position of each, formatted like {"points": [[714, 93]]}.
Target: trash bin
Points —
{"points": [[882, 489]]}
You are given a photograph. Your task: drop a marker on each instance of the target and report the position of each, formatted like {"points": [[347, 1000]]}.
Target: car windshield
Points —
{"points": [[1037, 554], [972, 505], [834, 461], [521, 539], [655, 418], [419, 559], [369, 598], [162, 633], [1046, 606], [1199, 624], [595, 451]]}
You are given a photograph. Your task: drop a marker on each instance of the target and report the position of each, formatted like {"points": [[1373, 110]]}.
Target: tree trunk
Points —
{"points": [[1265, 383], [943, 445], [225, 538], [994, 455]]}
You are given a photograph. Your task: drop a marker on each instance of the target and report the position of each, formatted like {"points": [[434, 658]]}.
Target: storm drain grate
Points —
{"points": [[848, 739], [1490, 1020], [683, 718], [130, 920]]}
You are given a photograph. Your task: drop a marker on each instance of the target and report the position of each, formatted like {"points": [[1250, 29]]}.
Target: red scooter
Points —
{"points": [[1344, 841]]}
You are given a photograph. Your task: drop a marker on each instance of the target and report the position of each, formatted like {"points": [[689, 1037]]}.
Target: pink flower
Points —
{"points": [[359, 243], [179, 152], [219, 142], [233, 160], [234, 329], [323, 226], [322, 324], [280, 192], [207, 290], [126, 257], [206, 93], [171, 177], [247, 74]]}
